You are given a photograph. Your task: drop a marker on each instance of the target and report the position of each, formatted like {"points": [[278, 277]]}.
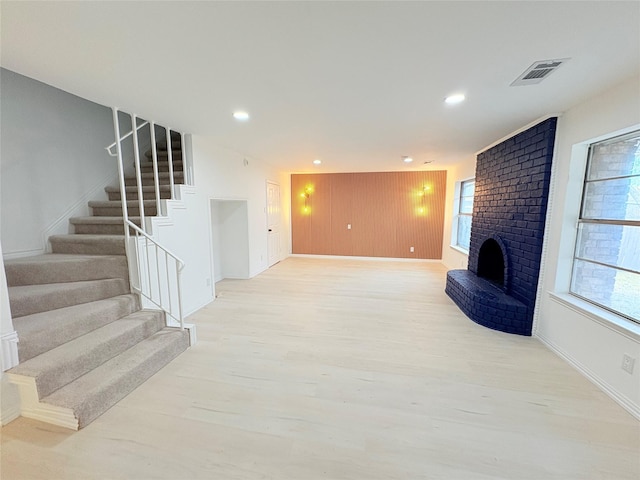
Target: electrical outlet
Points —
{"points": [[411, 249], [348, 226], [628, 363]]}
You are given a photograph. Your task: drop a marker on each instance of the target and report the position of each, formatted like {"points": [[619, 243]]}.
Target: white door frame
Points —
{"points": [[274, 230]]}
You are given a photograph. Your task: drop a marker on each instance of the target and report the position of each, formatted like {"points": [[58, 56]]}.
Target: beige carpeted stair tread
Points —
{"points": [[44, 331], [92, 394], [58, 268], [118, 203], [149, 175], [163, 165], [148, 178], [163, 154], [134, 188], [56, 368], [148, 192], [111, 220], [111, 208], [88, 244], [162, 145], [30, 299], [100, 225]]}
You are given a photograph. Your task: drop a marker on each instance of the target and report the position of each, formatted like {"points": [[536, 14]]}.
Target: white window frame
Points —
{"points": [[586, 221], [457, 214]]}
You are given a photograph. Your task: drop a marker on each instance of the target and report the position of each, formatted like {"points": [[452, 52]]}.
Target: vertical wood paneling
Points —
{"points": [[389, 212], [342, 198], [315, 224]]}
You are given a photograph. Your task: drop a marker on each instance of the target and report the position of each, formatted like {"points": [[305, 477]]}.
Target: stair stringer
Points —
{"points": [[157, 225], [32, 407], [189, 213]]}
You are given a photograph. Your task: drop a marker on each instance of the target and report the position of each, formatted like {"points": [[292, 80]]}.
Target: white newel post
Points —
{"points": [[8, 336]]}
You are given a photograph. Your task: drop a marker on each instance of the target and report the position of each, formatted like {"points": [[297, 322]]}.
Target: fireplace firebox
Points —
{"points": [[493, 263]]}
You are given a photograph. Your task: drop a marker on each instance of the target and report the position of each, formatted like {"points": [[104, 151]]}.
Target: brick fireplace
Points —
{"points": [[498, 290]]}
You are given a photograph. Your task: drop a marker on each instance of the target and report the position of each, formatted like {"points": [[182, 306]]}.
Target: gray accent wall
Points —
{"points": [[53, 160]]}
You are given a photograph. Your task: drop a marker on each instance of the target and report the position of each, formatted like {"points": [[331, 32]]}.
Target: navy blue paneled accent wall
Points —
{"points": [[510, 204]]}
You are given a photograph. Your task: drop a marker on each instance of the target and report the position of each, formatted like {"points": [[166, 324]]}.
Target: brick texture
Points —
{"points": [[510, 205]]}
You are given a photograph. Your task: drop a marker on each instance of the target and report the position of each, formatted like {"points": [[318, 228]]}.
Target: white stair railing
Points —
{"points": [[157, 272]]}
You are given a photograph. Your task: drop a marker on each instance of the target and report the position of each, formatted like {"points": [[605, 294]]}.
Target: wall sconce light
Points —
{"points": [[421, 208], [306, 195]]}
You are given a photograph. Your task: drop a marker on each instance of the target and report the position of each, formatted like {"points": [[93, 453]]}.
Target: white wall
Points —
{"points": [[573, 329], [223, 174], [192, 228], [230, 239], [53, 160], [465, 170], [184, 231]]}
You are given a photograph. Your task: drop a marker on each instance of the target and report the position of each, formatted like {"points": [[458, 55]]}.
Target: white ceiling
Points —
{"points": [[356, 84]]}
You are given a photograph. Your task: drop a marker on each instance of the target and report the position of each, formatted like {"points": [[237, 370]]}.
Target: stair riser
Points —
{"points": [[163, 180], [163, 155], [23, 303], [175, 144], [100, 229], [116, 211], [67, 371], [163, 167], [72, 270], [76, 321], [133, 195], [93, 248]]}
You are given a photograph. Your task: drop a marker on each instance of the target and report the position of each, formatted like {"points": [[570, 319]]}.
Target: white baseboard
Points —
{"points": [[24, 253], [31, 407], [195, 309], [376, 259], [10, 405], [60, 226], [9, 350], [8, 415], [623, 401]]}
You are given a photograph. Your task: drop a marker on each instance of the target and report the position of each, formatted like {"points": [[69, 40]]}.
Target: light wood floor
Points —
{"points": [[342, 369]]}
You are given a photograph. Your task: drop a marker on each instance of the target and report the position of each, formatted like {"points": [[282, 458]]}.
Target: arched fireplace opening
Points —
{"points": [[492, 262]]}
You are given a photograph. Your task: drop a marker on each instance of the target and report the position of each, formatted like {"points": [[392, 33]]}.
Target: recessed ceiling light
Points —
{"points": [[317, 162], [453, 99], [406, 159], [240, 115]]}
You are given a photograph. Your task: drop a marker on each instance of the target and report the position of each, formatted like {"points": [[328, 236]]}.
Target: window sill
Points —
{"points": [[460, 249], [599, 315]]}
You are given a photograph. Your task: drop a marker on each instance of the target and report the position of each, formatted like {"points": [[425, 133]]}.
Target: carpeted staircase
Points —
{"points": [[85, 342]]}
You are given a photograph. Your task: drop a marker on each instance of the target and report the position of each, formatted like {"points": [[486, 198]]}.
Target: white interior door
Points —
{"points": [[273, 223]]}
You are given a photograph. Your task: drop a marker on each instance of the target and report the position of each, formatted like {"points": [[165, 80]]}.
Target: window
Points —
{"points": [[606, 266], [464, 213]]}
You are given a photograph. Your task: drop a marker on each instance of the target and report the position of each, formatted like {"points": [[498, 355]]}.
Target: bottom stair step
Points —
{"points": [[91, 395], [58, 367]]}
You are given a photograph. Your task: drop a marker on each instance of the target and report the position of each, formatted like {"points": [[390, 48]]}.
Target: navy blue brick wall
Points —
{"points": [[512, 187]]}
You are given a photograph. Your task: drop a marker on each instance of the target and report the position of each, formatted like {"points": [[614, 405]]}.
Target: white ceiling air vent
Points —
{"points": [[538, 72]]}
